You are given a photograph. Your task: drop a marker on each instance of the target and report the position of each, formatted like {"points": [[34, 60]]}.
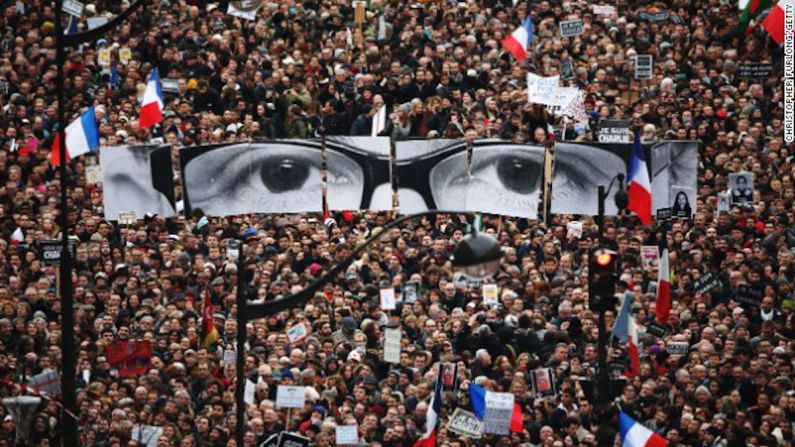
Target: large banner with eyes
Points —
{"points": [[137, 179], [581, 167]]}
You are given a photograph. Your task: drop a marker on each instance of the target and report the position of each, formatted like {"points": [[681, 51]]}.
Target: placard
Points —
{"points": [[571, 28], [272, 441], [392, 345], [169, 85], [48, 382], [544, 382], [499, 409], [292, 440], [233, 250], [654, 17], [465, 423], [297, 332], [103, 57], [127, 218], [681, 199], [290, 396], [742, 187], [51, 251], [125, 55], [411, 292], [657, 330], [603, 9], [650, 257], [706, 283], [230, 357], [574, 229], [388, 301], [677, 347], [614, 131], [755, 70], [540, 89], [249, 392], [358, 11], [93, 174], [73, 7], [663, 213], [490, 294], [347, 434], [566, 70], [643, 67], [724, 202], [449, 375], [749, 295], [96, 22]]}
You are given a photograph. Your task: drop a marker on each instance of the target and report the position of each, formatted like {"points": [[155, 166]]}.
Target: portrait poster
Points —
{"points": [[742, 187], [673, 164]]}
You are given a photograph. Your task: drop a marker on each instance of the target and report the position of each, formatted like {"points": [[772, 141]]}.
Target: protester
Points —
{"points": [[721, 375]]}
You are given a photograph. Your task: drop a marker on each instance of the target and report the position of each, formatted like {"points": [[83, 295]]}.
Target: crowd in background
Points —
{"points": [[305, 67]]}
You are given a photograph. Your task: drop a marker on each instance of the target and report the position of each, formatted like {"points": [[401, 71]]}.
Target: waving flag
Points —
{"points": [[751, 11], [663, 306], [626, 330], [432, 417], [639, 185], [635, 435], [774, 22], [82, 137], [477, 395], [519, 39], [210, 332], [152, 107]]}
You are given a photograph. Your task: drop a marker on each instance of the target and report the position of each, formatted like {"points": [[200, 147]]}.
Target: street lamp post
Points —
{"points": [[477, 255]]}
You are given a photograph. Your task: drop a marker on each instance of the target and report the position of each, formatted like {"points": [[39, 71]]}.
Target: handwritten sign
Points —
{"points": [[540, 89], [570, 28], [290, 396], [499, 409], [392, 345], [465, 423], [347, 434], [388, 301]]}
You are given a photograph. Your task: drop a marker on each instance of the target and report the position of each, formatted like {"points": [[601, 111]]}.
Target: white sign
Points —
{"points": [[347, 434], [388, 301], [392, 345], [297, 332], [93, 174], [169, 85], [248, 395], [603, 9], [499, 410], [643, 67], [490, 294], [245, 9], [146, 434], [127, 218], [465, 423], [230, 357], [571, 28], [73, 7], [290, 396], [540, 89], [560, 100], [96, 22]]}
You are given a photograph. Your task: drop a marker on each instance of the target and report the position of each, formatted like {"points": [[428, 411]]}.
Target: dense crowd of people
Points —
{"points": [[300, 68]]}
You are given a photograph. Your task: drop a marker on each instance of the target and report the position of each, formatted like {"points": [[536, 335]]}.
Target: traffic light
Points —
{"points": [[603, 264]]}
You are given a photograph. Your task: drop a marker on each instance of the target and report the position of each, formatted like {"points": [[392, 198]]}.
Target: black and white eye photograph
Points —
{"points": [[138, 179], [742, 187], [358, 173], [273, 177], [683, 203], [578, 172]]}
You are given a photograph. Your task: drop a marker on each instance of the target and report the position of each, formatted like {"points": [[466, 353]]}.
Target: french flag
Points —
{"points": [[519, 39], [432, 417], [477, 395], [635, 435], [626, 330], [152, 106], [663, 305], [82, 137], [639, 190]]}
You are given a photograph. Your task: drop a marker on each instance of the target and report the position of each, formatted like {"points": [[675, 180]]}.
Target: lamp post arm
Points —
{"points": [[73, 40], [261, 310], [619, 177]]}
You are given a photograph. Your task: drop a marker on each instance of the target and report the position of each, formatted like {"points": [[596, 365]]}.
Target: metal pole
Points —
{"points": [[240, 388], [602, 379], [68, 351]]}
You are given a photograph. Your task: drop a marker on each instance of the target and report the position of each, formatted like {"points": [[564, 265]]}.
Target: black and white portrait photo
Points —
{"points": [[724, 203], [673, 164], [683, 201], [137, 179], [742, 187], [273, 177]]}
